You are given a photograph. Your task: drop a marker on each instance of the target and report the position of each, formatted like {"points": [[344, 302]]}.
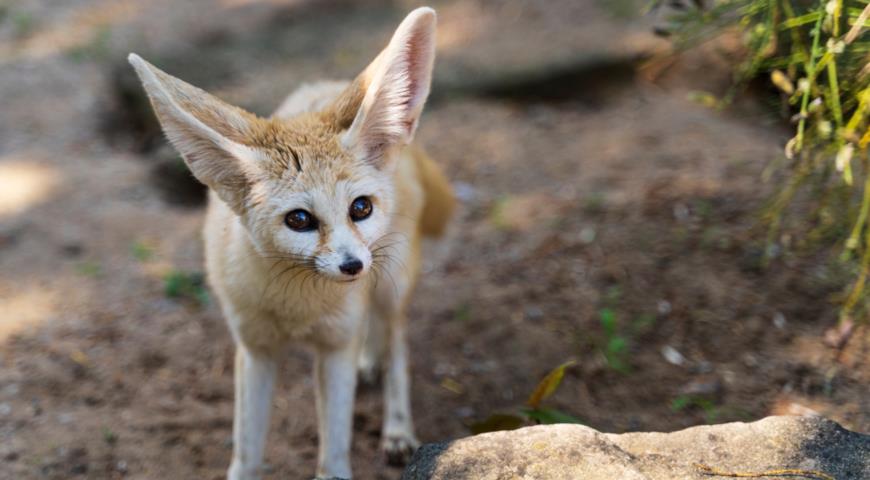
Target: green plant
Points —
{"points": [[497, 214], [89, 269], [615, 345], [462, 313], [685, 402], [141, 251], [190, 285], [713, 412], [533, 412], [616, 340], [24, 24], [619, 8], [594, 203], [816, 54], [97, 48], [109, 436]]}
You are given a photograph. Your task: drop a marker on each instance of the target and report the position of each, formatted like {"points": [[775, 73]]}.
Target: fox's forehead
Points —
{"points": [[324, 186], [302, 148], [305, 164]]}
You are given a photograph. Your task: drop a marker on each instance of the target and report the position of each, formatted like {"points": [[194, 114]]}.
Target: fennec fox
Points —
{"points": [[308, 209]]}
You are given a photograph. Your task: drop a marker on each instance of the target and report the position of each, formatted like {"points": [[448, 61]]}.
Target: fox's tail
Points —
{"points": [[440, 201]]}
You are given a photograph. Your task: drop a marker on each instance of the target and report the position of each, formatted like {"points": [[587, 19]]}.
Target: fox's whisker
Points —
{"points": [[276, 277]]}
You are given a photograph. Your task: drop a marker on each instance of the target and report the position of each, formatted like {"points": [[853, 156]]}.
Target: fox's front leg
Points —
{"points": [[335, 374], [255, 380]]}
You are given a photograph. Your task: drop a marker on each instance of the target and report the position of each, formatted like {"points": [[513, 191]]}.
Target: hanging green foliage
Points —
{"points": [[817, 53]]}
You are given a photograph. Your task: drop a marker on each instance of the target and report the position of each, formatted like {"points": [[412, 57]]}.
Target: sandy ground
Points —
{"points": [[624, 195]]}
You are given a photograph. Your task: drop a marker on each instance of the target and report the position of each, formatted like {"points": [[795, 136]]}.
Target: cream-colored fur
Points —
{"points": [[329, 145]]}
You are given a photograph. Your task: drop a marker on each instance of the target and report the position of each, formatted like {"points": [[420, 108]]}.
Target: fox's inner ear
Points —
{"points": [[396, 86], [206, 131]]}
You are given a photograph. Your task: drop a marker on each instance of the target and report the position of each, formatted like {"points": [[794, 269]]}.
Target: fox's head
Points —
{"points": [[317, 188]]}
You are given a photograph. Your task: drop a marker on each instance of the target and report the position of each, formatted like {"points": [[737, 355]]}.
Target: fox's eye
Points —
{"points": [[301, 221], [360, 209]]}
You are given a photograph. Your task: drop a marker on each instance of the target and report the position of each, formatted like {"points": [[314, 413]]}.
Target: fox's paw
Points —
{"points": [[238, 471], [398, 449]]}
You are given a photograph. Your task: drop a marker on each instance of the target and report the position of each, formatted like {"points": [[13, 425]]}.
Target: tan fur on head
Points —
{"points": [[379, 110], [264, 168]]}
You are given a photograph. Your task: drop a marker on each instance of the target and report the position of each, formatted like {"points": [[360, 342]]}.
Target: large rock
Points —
{"points": [[577, 452]]}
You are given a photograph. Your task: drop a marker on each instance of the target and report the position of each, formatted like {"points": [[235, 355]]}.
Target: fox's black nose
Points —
{"points": [[351, 266]]}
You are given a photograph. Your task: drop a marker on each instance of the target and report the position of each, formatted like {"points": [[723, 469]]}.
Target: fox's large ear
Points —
{"points": [[206, 131], [396, 86]]}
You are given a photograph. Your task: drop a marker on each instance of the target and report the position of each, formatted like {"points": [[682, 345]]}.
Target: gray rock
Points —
{"points": [[578, 452]]}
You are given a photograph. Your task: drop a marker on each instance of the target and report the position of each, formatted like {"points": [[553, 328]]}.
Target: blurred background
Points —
{"points": [[609, 217]]}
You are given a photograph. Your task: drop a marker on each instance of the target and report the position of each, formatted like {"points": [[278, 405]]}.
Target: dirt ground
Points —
{"points": [[582, 190]]}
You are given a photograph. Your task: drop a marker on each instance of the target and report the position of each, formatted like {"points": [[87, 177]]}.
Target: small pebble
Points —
{"points": [[483, 367], [464, 191], [663, 307], [444, 369], [704, 367], [750, 360], [11, 390], [681, 212], [703, 387], [779, 320], [534, 312], [465, 412], [672, 355]]}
